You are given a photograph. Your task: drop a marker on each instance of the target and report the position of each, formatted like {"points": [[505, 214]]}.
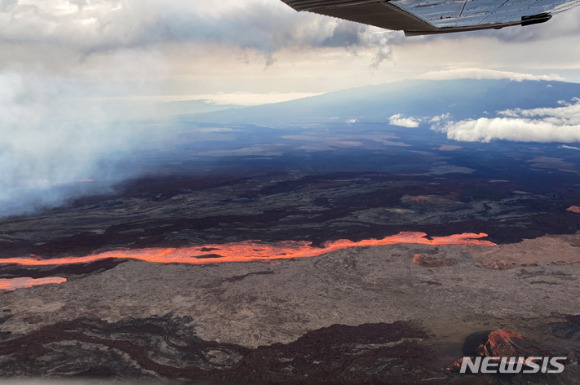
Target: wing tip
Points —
{"points": [[536, 19]]}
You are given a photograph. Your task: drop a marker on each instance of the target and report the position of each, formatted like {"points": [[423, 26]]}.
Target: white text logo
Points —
{"points": [[512, 365]]}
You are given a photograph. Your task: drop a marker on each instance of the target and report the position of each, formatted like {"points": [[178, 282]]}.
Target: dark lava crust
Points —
{"points": [[170, 212], [167, 347]]}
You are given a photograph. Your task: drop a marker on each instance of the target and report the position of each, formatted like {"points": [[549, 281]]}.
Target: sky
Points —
{"points": [[252, 51], [75, 75]]}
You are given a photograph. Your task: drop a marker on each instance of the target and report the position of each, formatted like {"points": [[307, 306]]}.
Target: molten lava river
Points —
{"points": [[247, 251]]}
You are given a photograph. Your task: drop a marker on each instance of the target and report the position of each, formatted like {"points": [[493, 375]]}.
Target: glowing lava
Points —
{"points": [[249, 251], [18, 283]]}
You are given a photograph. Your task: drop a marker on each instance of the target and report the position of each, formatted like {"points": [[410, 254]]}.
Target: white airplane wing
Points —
{"points": [[421, 17]]}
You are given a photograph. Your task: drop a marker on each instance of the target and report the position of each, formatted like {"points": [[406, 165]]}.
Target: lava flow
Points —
{"points": [[18, 283], [249, 251]]}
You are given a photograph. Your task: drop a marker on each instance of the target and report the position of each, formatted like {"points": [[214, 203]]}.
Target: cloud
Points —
{"points": [[439, 118], [559, 124], [382, 40], [570, 147], [399, 120], [482, 73], [264, 25]]}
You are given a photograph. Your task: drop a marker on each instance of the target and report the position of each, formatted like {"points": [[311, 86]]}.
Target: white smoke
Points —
{"points": [[53, 144]]}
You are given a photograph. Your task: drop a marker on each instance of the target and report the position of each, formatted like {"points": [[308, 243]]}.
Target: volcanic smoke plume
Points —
{"points": [[55, 145]]}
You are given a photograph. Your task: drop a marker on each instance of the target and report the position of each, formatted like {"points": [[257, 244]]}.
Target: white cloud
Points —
{"points": [[559, 124], [264, 25], [568, 114], [399, 120], [438, 118], [570, 147], [482, 73]]}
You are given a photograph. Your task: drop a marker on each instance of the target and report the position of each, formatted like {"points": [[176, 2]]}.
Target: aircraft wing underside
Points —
{"points": [[420, 17]]}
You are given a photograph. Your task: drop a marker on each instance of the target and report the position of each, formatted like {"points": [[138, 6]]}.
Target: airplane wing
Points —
{"points": [[422, 17]]}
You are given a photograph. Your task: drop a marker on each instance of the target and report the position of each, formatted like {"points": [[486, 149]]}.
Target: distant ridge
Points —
{"points": [[462, 98]]}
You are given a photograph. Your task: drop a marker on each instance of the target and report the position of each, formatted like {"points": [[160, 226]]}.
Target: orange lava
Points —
{"points": [[574, 209], [18, 283], [249, 251]]}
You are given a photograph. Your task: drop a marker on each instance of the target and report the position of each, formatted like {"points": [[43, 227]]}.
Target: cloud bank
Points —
{"points": [[560, 124], [263, 25], [483, 73]]}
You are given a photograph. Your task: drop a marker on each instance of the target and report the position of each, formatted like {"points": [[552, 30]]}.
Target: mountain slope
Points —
{"points": [[463, 98]]}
